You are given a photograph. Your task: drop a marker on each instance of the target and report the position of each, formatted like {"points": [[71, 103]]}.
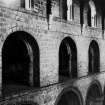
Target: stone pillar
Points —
{"points": [[82, 53]]}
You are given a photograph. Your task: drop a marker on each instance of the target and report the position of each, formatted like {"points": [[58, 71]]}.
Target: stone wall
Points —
{"points": [[49, 41]]}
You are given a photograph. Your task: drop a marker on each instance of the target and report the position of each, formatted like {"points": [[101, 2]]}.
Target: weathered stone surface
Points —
{"points": [[49, 42]]}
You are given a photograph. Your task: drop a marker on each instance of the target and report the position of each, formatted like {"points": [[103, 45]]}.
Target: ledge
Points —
{"points": [[75, 28], [92, 32]]}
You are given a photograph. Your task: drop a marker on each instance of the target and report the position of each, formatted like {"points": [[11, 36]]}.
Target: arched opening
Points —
{"points": [[94, 57], [63, 9], [94, 95], [69, 98], [89, 17], [20, 62], [67, 59], [91, 14]]}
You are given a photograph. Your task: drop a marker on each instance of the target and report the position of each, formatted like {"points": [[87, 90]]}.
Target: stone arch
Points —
{"points": [[20, 60], [94, 57], [91, 14], [67, 59], [94, 94], [69, 96]]}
